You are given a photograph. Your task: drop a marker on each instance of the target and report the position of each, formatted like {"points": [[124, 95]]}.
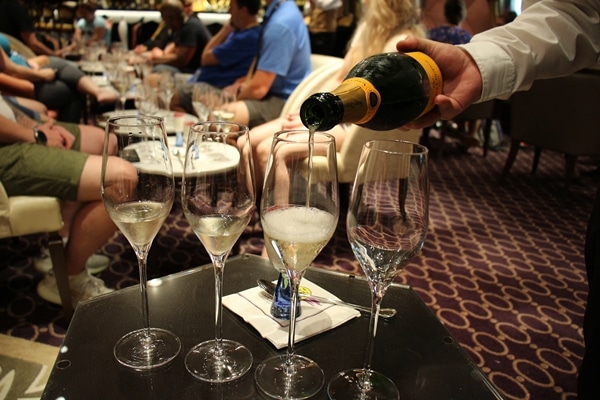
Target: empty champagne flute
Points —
{"points": [[121, 81], [167, 88], [387, 225], [299, 213], [218, 199], [138, 201], [202, 99], [146, 99]]}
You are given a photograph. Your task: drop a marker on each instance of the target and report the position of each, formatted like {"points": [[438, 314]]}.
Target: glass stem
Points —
{"points": [[219, 265], [142, 259], [294, 279], [375, 306]]}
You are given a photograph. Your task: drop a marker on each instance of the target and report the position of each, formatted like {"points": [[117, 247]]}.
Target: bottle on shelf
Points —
{"points": [[381, 92]]}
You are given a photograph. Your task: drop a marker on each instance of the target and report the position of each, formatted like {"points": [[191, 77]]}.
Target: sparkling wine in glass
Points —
{"points": [[220, 110], [139, 200], [218, 198], [387, 225], [299, 214]]}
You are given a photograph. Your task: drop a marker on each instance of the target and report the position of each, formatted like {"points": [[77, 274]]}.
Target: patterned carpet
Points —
{"points": [[502, 268]]}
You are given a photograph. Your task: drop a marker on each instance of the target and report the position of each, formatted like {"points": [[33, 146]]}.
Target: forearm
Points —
{"points": [[41, 49], [250, 90], [13, 132], [26, 74], [207, 55], [552, 38]]}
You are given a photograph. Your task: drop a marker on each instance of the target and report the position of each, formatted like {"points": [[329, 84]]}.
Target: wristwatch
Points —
{"points": [[40, 137]]}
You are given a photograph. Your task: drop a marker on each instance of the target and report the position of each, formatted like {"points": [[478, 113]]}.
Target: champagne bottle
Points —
{"points": [[381, 92]]}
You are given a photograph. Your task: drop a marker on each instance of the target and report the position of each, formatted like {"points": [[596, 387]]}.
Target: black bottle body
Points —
{"points": [[381, 92]]}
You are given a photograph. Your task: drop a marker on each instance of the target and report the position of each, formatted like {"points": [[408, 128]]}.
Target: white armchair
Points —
{"points": [[27, 215]]}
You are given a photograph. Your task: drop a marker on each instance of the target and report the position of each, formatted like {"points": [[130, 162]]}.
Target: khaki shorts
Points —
{"points": [[261, 111], [37, 170]]}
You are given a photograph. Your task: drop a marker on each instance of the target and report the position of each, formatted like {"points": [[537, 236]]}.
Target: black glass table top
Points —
{"points": [[413, 349]]}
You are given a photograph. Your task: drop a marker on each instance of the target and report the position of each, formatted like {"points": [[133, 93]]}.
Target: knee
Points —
{"points": [[120, 179]]}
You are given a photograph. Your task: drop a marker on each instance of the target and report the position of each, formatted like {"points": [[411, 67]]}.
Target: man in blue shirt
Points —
{"points": [[283, 61], [228, 55]]}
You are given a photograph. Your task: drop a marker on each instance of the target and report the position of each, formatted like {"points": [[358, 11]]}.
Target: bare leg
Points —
{"points": [[91, 228], [102, 95]]}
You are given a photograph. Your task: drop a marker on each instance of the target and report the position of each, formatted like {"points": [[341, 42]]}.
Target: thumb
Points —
{"points": [[411, 43]]}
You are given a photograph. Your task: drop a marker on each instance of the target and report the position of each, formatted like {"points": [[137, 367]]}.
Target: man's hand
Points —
{"points": [[462, 79], [56, 135]]}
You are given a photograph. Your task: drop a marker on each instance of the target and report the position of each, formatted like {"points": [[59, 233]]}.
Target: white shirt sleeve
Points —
{"points": [[550, 38]]}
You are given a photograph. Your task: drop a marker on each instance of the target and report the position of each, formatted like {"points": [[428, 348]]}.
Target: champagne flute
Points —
{"points": [[145, 99], [120, 80], [220, 110], [387, 225], [218, 199], [299, 214], [202, 99], [167, 88], [139, 200]]}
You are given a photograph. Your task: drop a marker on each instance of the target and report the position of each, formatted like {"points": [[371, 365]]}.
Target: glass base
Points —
{"points": [[351, 384], [301, 379], [207, 364], [146, 349]]}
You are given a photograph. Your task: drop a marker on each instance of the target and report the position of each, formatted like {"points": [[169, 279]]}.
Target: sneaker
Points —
{"points": [[95, 264], [83, 286]]}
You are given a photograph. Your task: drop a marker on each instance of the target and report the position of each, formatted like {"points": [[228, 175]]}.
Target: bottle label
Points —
{"points": [[366, 103], [433, 74]]}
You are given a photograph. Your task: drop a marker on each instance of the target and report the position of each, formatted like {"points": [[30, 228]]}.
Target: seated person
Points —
{"points": [[455, 11], [283, 61], [55, 82], [62, 160], [451, 32], [90, 28], [16, 21], [375, 33], [181, 43], [227, 56]]}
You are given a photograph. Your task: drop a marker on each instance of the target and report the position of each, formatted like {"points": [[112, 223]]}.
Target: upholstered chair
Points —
{"points": [[560, 114], [27, 215]]}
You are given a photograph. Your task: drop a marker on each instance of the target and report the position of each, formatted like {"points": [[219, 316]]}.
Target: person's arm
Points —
{"points": [[549, 39], [31, 40], [257, 86], [13, 132], [10, 85], [97, 35], [208, 57], [22, 128], [20, 71], [177, 56]]}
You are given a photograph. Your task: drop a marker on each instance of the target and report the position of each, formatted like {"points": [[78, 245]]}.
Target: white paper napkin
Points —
{"points": [[254, 306]]}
